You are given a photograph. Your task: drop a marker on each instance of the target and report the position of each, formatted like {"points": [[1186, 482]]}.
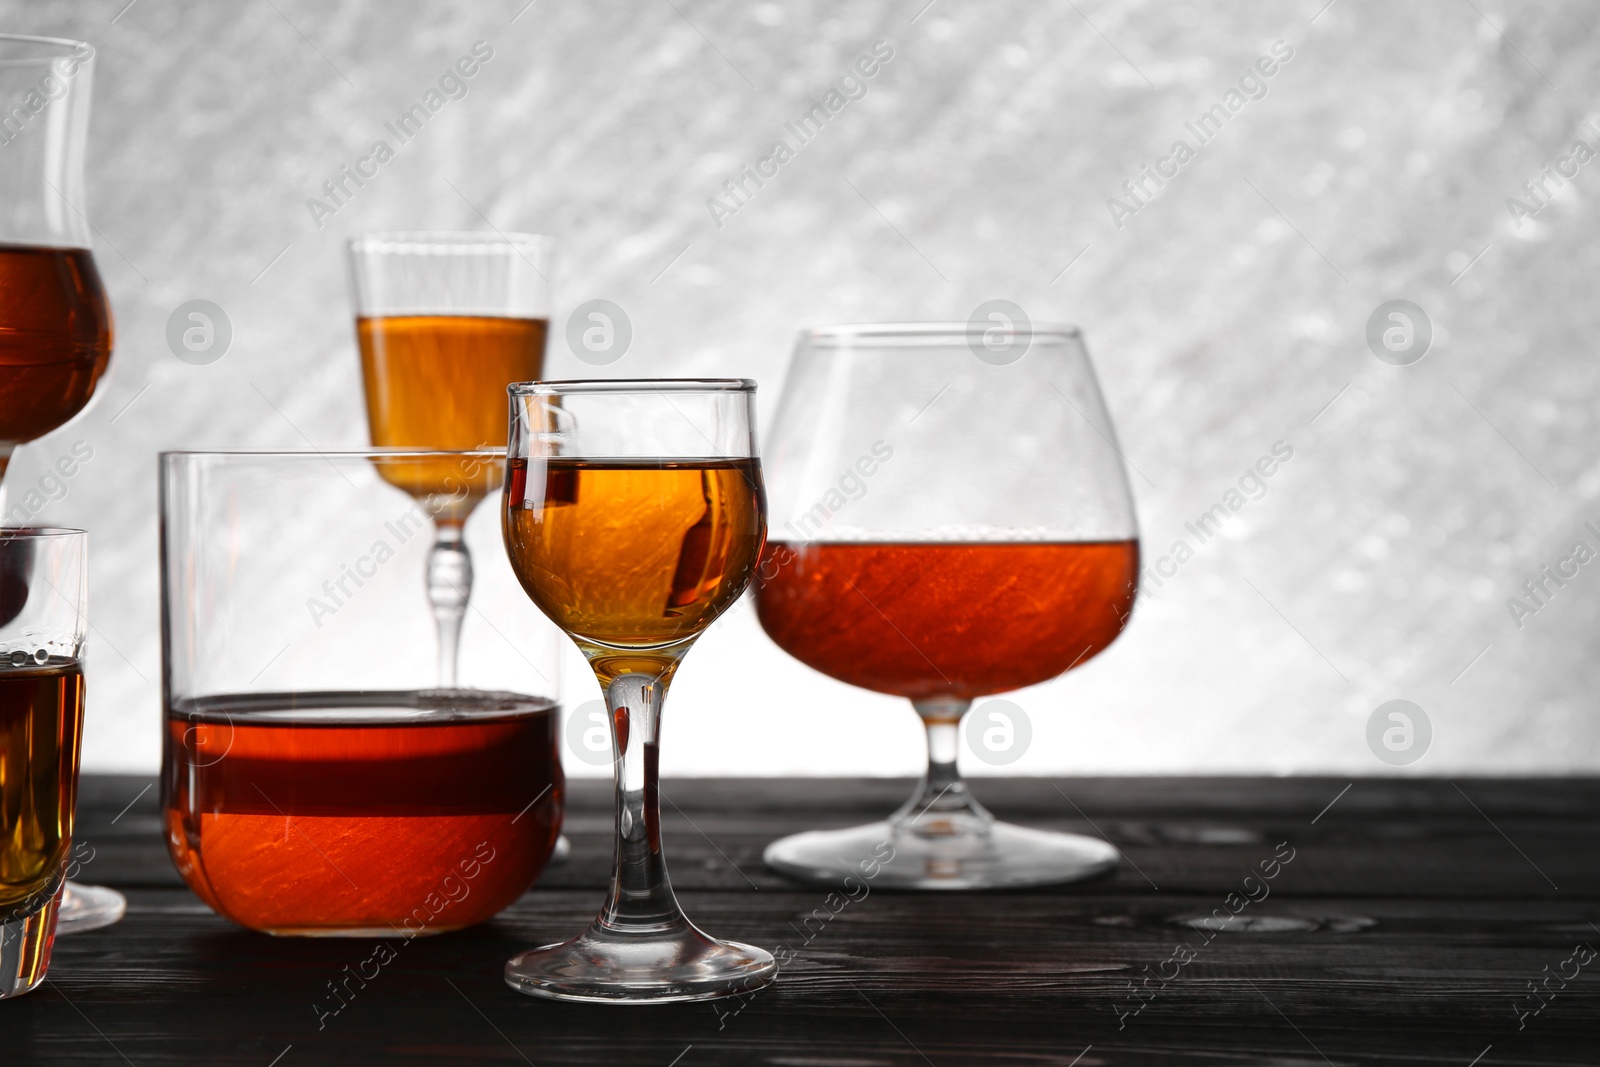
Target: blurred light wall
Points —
{"points": [[1227, 306]]}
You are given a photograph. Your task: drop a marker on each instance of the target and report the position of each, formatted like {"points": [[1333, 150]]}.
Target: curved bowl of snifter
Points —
{"points": [[953, 522]]}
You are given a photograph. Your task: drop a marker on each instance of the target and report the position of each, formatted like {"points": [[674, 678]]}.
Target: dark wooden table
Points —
{"points": [[1409, 927]]}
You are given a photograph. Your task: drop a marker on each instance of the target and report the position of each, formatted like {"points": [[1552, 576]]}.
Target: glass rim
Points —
{"points": [[573, 386], [446, 242], [40, 533], [170, 454], [873, 331], [61, 45]]}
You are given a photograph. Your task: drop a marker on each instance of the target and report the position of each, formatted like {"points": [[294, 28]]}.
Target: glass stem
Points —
{"points": [[641, 898], [942, 804], [449, 587]]}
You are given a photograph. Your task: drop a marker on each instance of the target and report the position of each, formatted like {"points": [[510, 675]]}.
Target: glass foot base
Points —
{"points": [[991, 855], [89, 907], [611, 965], [25, 950]]}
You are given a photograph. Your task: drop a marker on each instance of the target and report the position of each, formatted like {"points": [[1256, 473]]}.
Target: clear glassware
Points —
{"points": [[950, 520], [445, 322], [315, 782], [634, 516], [43, 619], [55, 321]]}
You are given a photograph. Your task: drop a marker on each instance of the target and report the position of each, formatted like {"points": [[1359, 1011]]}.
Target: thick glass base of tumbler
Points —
{"points": [[89, 907], [654, 966], [25, 950], [996, 855]]}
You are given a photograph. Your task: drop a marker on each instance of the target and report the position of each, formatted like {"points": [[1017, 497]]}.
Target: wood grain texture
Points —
{"points": [[1405, 930]]}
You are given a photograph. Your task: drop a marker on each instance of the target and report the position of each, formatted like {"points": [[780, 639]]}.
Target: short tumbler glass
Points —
{"points": [[315, 780]]}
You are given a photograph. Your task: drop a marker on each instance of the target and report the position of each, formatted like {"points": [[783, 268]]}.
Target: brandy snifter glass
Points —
{"points": [[951, 520]]}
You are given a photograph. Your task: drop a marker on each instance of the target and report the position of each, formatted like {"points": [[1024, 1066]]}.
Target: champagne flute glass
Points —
{"points": [[634, 516], [445, 322], [43, 617], [55, 321], [951, 520]]}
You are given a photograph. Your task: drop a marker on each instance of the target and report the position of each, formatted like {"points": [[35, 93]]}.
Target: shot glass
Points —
{"points": [[43, 616]]}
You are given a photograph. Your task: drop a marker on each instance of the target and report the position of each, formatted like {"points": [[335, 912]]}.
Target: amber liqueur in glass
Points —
{"points": [[439, 382], [937, 619], [55, 339], [634, 556], [41, 727], [384, 812]]}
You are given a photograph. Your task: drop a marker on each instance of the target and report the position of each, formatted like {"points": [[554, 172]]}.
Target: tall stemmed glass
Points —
{"points": [[445, 322], [55, 321], [951, 520], [634, 516]]}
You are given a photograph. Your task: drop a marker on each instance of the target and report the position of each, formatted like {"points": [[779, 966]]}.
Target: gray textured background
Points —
{"points": [[1226, 315]]}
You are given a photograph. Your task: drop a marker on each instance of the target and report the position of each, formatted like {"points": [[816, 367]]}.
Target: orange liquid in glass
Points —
{"points": [[362, 812], [937, 619], [41, 725], [439, 382], [55, 338], [635, 554]]}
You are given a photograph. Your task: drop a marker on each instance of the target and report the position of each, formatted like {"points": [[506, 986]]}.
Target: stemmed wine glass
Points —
{"points": [[55, 321], [445, 322], [951, 520], [634, 516]]}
